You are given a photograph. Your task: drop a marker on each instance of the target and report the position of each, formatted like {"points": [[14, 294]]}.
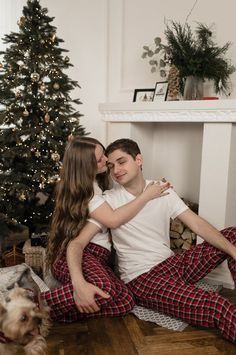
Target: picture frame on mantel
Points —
{"points": [[161, 91], [143, 95]]}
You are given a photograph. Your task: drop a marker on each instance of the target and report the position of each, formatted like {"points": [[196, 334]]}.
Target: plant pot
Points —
{"points": [[193, 88]]}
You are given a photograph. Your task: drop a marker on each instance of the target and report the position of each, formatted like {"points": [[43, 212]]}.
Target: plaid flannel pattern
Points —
{"points": [[169, 288], [96, 270]]}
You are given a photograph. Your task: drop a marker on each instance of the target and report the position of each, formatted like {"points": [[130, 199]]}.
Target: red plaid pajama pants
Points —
{"points": [[169, 288], [96, 271]]}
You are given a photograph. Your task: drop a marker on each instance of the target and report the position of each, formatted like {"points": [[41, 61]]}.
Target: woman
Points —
{"points": [[83, 177]]}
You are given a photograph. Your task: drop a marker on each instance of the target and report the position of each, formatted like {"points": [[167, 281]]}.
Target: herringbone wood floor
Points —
{"points": [[130, 336]]}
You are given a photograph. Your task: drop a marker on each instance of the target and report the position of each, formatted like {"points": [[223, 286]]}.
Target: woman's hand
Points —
{"points": [[84, 297], [156, 189]]}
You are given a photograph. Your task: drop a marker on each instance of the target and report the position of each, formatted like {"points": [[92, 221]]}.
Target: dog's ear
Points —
{"points": [[2, 311], [23, 278], [11, 286], [20, 280]]}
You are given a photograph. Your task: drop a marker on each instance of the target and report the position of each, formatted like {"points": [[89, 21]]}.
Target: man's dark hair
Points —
{"points": [[125, 145]]}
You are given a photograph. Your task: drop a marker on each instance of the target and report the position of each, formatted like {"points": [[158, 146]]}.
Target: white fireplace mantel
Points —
{"points": [[217, 191], [170, 111]]}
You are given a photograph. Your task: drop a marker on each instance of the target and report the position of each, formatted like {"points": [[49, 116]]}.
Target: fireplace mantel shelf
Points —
{"points": [[171, 111]]}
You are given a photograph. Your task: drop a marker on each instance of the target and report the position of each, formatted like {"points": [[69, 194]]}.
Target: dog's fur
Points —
{"points": [[23, 322]]}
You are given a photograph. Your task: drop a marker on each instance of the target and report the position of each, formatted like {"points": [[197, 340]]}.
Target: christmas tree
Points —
{"points": [[37, 114]]}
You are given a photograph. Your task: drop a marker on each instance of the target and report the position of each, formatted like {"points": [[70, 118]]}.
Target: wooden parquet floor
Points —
{"points": [[129, 336]]}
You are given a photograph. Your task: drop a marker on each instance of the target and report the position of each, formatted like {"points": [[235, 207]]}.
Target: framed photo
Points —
{"points": [[161, 90], [143, 95]]}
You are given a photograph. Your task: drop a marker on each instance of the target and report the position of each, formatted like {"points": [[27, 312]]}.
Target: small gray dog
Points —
{"points": [[23, 323]]}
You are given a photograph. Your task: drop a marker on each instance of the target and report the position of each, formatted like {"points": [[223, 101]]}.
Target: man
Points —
{"points": [[158, 279]]}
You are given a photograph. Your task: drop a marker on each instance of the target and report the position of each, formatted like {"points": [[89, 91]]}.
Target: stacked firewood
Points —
{"points": [[181, 237]]}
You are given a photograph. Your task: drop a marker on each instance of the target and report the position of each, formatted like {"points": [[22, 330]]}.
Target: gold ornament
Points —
{"points": [[52, 179], [22, 197], [21, 21], [53, 37], [56, 86], [42, 185], [19, 94], [55, 156], [42, 137], [37, 153], [43, 87], [47, 117], [35, 77], [25, 113]]}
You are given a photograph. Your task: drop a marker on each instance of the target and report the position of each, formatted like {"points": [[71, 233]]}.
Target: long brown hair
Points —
{"points": [[73, 192]]}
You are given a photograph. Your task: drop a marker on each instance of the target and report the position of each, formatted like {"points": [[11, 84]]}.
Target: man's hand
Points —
{"points": [[84, 297]]}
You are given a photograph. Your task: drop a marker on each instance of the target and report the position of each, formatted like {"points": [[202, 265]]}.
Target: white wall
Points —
{"points": [[134, 23], [83, 26]]}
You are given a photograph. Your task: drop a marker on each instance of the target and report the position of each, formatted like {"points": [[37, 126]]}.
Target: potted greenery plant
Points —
{"points": [[197, 57]]}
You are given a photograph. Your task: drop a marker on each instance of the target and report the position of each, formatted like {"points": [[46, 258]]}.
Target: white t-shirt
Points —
{"points": [[144, 241], [101, 238]]}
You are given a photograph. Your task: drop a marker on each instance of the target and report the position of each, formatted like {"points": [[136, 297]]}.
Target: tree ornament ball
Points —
{"points": [[67, 59], [35, 77], [47, 117], [25, 113], [56, 86], [43, 87]]}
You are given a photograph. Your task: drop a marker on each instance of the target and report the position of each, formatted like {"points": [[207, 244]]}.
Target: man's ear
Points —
{"points": [[139, 159]]}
